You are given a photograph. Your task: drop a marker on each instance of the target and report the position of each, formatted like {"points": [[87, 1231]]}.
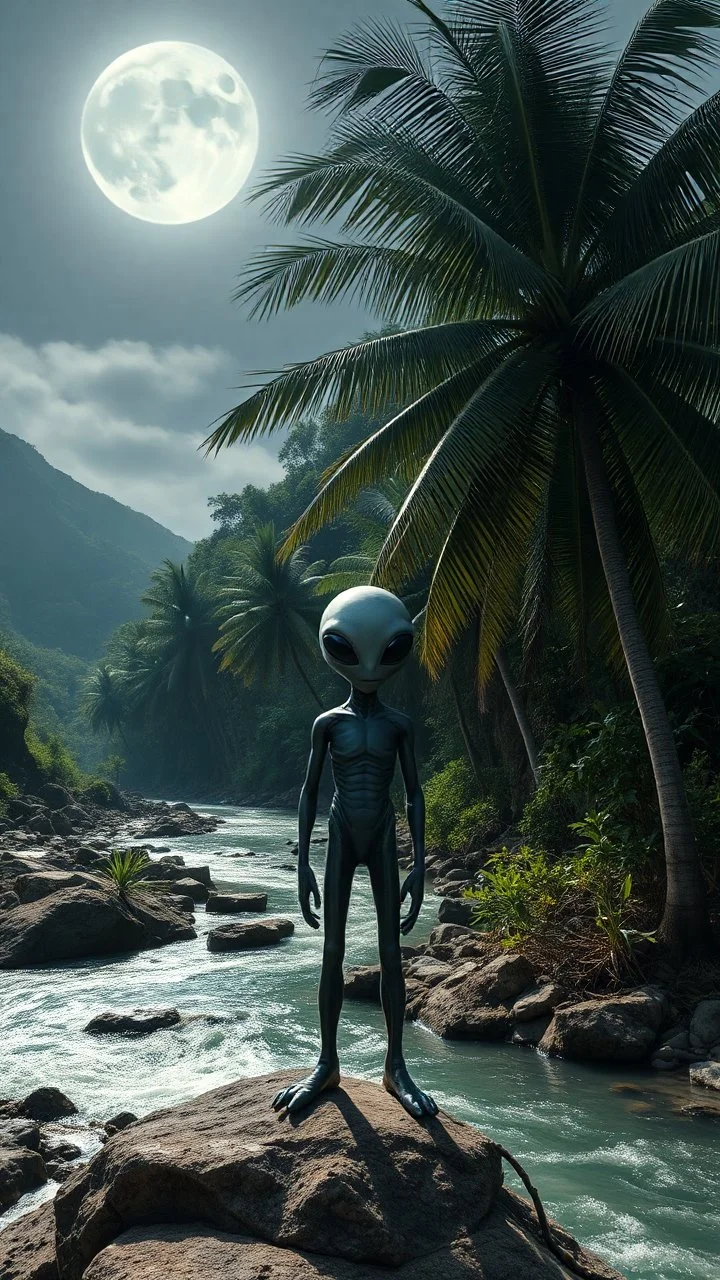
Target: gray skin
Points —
{"points": [[364, 739]]}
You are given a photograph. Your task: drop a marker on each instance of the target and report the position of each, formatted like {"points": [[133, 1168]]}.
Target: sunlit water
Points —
{"points": [[634, 1182]]}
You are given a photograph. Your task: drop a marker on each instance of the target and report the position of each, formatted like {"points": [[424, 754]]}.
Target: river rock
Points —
{"points": [[230, 903], [456, 911], [41, 825], [241, 935], [54, 796], [27, 1246], [180, 902], [610, 1029], [19, 1131], [46, 1104], [21, 1170], [474, 1005], [30, 888], [530, 1033], [141, 1022], [120, 1121], [346, 1190], [84, 921], [190, 888], [362, 982], [705, 1026], [538, 1002], [9, 900], [706, 1074]]}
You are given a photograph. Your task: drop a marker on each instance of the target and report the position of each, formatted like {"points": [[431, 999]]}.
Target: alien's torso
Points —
{"points": [[363, 751]]}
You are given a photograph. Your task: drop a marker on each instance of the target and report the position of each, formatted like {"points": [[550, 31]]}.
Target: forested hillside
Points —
{"points": [[73, 563]]}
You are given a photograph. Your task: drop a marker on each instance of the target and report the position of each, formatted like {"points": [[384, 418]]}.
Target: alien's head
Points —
{"points": [[366, 635]]}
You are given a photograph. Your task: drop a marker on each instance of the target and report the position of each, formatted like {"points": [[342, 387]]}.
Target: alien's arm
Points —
{"points": [[414, 798], [307, 807]]}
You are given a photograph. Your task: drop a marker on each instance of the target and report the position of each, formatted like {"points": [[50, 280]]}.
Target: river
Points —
{"points": [[629, 1177]]}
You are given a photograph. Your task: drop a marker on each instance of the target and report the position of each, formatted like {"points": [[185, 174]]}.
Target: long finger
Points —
{"points": [[316, 897]]}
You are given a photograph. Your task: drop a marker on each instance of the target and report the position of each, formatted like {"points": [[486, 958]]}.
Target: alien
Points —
{"points": [[366, 634]]}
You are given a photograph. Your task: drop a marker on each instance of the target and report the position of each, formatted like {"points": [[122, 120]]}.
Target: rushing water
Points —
{"points": [[627, 1176]]}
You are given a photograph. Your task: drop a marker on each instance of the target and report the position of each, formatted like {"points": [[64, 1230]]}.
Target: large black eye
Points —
{"points": [[340, 649], [397, 649]]}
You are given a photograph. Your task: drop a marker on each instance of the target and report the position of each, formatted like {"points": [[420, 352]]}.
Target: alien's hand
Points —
{"points": [[415, 886], [307, 886]]}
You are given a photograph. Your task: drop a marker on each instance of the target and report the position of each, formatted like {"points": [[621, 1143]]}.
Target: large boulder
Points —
{"points": [[232, 903], [140, 1022], [224, 1187], [54, 796], [456, 911], [610, 1029], [474, 1002], [84, 921], [362, 982], [38, 884], [27, 1247], [538, 1002], [47, 1103], [242, 935]]}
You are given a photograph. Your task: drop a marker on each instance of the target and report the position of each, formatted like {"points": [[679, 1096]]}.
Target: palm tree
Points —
{"points": [[272, 616], [105, 702], [542, 225]]}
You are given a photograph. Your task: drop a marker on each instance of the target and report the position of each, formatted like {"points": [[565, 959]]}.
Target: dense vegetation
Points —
{"points": [[538, 224], [72, 562]]}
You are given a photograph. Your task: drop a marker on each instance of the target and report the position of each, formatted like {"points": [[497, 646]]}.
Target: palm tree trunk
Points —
{"points": [[518, 707], [303, 676], [470, 748], [685, 924]]}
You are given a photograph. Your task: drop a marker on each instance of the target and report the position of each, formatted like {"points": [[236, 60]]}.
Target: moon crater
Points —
{"points": [[169, 132]]}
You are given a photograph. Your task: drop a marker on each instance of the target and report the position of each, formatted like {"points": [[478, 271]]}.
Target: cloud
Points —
{"points": [[126, 418]]}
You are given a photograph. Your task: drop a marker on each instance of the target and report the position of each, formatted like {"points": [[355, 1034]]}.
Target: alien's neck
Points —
{"points": [[363, 703]]}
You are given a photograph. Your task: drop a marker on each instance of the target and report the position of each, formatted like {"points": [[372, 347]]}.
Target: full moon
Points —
{"points": [[169, 132]]}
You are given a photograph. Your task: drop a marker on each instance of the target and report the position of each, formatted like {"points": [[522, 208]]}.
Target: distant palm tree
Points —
{"points": [[543, 223], [105, 701], [272, 615]]}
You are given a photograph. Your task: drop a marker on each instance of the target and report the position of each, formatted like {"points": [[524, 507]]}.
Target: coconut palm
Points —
{"points": [[272, 614], [541, 222], [105, 701]]}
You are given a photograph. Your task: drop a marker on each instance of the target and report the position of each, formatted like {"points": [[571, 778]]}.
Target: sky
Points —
{"points": [[119, 341]]}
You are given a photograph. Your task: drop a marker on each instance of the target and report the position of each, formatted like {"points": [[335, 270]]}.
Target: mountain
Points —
{"points": [[73, 563]]}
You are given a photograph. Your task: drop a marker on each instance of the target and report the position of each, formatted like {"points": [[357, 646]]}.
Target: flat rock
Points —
{"points": [[140, 1022], [241, 934], [27, 1247], [352, 1177], [536, 1003], [611, 1029], [706, 1074], [30, 888], [231, 903], [190, 888], [85, 921]]}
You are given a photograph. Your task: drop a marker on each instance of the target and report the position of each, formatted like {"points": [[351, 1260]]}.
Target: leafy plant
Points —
{"points": [[8, 791], [125, 868], [53, 760], [518, 893]]}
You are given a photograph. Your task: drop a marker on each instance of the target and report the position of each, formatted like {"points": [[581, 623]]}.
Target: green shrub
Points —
{"points": [[455, 818], [8, 791], [97, 791], [53, 760], [519, 892], [125, 869]]}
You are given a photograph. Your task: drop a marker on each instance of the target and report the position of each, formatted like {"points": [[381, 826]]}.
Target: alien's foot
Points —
{"points": [[325, 1076], [398, 1081]]}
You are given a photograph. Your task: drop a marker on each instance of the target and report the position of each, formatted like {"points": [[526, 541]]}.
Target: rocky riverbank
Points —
{"points": [[348, 1189]]}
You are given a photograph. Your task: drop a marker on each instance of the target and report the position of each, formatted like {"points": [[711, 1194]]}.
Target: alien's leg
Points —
{"points": [[339, 870], [383, 868]]}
